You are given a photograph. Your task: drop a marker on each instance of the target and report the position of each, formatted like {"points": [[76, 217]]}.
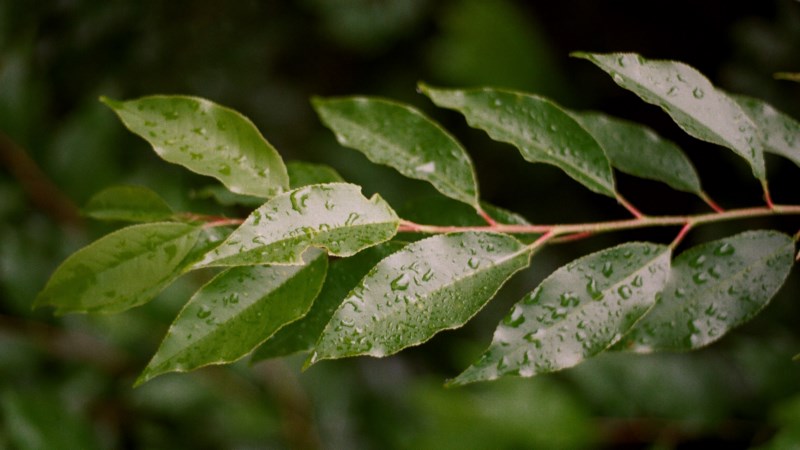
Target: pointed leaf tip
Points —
{"points": [[575, 313], [431, 285]]}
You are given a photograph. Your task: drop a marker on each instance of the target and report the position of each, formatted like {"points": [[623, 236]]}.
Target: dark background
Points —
{"points": [[66, 382]]}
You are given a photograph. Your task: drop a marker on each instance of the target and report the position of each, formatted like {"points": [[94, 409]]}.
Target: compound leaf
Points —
{"points": [[335, 216], [779, 133], [689, 98], [639, 151], [713, 288], [343, 275], [430, 285], [235, 312], [540, 129], [303, 174], [128, 203], [575, 313], [208, 139], [403, 138], [120, 270]]}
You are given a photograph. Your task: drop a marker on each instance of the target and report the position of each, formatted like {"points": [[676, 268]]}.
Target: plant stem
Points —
{"points": [[614, 225]]}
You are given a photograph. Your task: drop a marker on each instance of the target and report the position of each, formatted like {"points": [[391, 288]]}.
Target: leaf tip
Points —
{"points": [[581, 55], [110, 102]]}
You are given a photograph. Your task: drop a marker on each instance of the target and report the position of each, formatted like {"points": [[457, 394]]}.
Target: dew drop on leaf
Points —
{"points": [[203, 312], [625, 292], [400, 283], [724, 249]]}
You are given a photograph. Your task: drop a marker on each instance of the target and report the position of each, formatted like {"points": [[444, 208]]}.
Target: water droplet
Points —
{"points": [[637, 281], [473, 262], [673, 91], [427, 275], [298, 199], [400, 283], [715, 271], [224, 169], [680, 292], [351, 219], [535, 338], [170, 115], [724, 249], [700, 278], [625, 292], [514, 318], [608, 269], [698, 261], [203, 312], [569, 300], [698, 93], [429, 167], [621, 61], [592, 289]]}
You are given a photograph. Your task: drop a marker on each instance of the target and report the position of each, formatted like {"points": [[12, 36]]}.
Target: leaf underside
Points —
{"points": [[431, 285], [129, 204], [780, 134]]}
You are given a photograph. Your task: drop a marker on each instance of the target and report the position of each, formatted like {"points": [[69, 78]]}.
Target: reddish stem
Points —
{"points": [[632, 209], [711, 203], [767, 196], [681, 234], [486, 217]]}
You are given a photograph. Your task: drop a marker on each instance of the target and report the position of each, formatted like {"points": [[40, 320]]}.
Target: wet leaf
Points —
{"points": [[120, 270], [225, 197], [430, 285], [713, 288], [689, 98], [575, 313], [235, 312], [779, 133], [343, 275], [403, 138], [303, 174], [540, 129], [208, 139], [128, 203], [639, 151], [334, 216]]}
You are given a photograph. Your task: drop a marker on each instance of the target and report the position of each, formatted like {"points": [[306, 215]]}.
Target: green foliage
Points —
{"points": [[320, 268]]}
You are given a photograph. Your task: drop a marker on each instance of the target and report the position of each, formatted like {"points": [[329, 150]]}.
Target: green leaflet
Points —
{"points": [[689, 98], [128, 203], [779, 133], [120, 270], [208, 139], [540, 129], [713, 288], [430, 285], [334, 216], [575, 313], [303, 174], [343, 275], [227, 198], [639, 151], [403, 138], [235, 312]]}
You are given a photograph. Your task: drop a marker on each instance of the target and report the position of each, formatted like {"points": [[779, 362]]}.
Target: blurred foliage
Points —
{"points": [[65, 382]]}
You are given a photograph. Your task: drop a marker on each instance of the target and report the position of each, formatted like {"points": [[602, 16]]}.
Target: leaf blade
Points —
{"points": [[540, 129], [403, 138], [249, 302], [779, 133], [557, 326], [303, 174], [637, 150], [713, 288], [431, 285], [208, 139], [129, 204], [335, 216], [97, 278], [695, 105]]}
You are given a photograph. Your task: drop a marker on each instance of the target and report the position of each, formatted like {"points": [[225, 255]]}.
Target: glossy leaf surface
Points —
{"points": [[208, 139], [689, 98], [335, 216], [712, 288], [343, 275], [639, 151], [235, 312], [120, 270], [127, 203], [575, 313], [779, 133], [540, 129], [403, 138], [303, 174], [430, 285]]}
